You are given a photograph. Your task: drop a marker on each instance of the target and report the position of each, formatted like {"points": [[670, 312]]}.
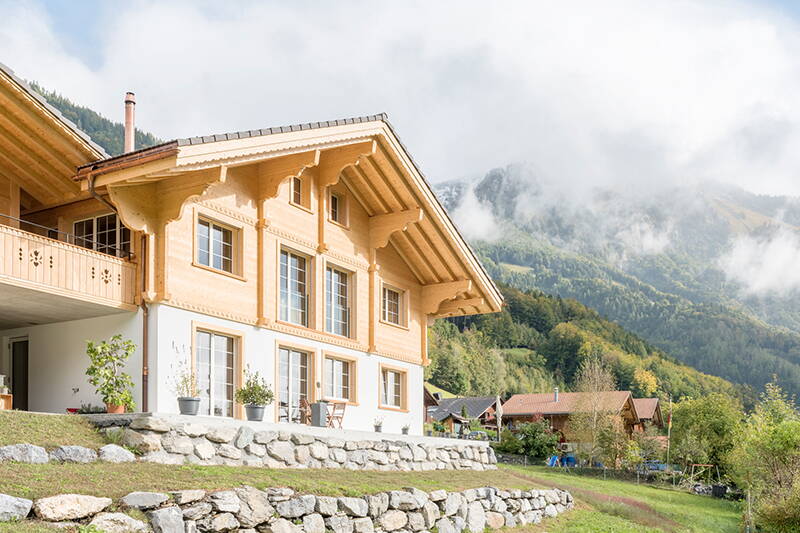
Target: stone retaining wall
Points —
{"points": [[180, 440], [280, 510]]}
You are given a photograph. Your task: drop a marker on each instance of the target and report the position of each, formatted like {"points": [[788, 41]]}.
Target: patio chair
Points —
{"points": [[305, 411], [336, 414]]}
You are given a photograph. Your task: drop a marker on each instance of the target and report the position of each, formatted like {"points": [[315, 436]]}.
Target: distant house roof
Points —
{"points": [[476, 406], [568, 402], [438, 391], [646, 407]]}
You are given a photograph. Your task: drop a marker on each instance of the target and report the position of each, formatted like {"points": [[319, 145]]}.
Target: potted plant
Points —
{"points": [[378, 424], [405, 429], [107, 360], [185, 388], [256, 394]]}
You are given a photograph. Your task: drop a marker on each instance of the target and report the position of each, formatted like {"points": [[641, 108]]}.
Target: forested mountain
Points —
{"points": [[538, 341], [104, 132], [683, 268]]}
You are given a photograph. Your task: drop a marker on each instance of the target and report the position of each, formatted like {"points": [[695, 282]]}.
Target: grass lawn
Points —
{"points": [[612, 506], [49, 431]]}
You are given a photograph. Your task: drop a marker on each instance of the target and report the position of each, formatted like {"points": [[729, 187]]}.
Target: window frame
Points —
{"points": [[403, 374], [350, 298], [311, 373], [343, 208], [238, 359], [352, 378], [403, 311], [237, 245], [309, 288], [118, 249], [305, 192]]}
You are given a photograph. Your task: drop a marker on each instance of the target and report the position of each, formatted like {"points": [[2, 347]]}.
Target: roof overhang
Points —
{"points": [[364, 154]]}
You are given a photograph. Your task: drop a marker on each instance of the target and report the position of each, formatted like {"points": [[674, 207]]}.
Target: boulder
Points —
{"points": [[296, 507], [23, 453], [220, 523], [313, 523], [229, 451], [193, 430], [204, 450], [255, 508], [118, 523], [363, 525], [353, 506], [420, 496], [476, 517], [281, 525], [302, 439], [378, 504], [163, 458], [111, 453], [281, 450], [244, 437], [452, 503], [326, 505], [69, 507], [142, 442], [12, 508], [438, 495], [167, 520], [430, 513], [550, 511], [224, 501], [144, 500], [495, 520], [392, 520], [510, 521], [150, 423], [318, 451], [177, 444], [445, 525], [222, 434], [339, 524], [73, 454], [403, 500], [197, 511], [416, 522], [259, 450], [338, 455], [302, 454], [183, 497], [264, 437], [279, 494]]}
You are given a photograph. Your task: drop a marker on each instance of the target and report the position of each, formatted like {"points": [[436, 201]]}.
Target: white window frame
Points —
{"points": [[335, 384], [330, 320], [213, 369], [117, 249], [285, 308], [234, 245], [402, 306], [399, 381]]}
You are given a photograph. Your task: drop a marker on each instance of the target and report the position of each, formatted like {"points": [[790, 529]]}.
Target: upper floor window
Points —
{"points": [[392, 310], [294, 288], [214, 245], [337, 207], [104, 234], [297, 191], [337, 302]]}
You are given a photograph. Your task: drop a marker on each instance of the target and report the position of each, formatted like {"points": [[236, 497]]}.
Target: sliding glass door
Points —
{"points": [[215, 365], [293, 387]]}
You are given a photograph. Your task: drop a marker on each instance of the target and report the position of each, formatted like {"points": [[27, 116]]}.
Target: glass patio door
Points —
{"points": [[215, 373], [293, 386]]}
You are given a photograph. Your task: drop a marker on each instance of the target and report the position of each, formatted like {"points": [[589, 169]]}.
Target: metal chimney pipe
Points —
{"points": [[130, 137], [555, 394]]}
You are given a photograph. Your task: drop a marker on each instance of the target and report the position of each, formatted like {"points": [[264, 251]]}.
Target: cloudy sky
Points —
{"points": [[620, 92]]}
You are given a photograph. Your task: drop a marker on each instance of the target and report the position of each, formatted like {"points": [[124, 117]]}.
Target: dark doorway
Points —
{"points": [[19, 374]]}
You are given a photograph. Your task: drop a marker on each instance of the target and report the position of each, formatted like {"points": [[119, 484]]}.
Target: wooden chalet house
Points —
{"points": [[315, 254]]}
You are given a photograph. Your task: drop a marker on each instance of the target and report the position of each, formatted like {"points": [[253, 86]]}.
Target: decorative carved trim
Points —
{"points": [[434, 295], [205, 310], [456, 306], [381, 227], [400, 357], [227, 211]]}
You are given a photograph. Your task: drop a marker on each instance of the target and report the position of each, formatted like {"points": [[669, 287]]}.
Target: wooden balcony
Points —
{"points": [[63, 280]]}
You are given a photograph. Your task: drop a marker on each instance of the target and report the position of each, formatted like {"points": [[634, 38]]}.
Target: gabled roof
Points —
{"points": [[646, 407], [568, 402], [386, 182], [476, 406]]}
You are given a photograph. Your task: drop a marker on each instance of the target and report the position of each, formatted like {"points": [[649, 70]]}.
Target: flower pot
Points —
{"points": [[378, 429], [429, 433], [113, 409], [188, 406], [405, 431], [254, 412]]}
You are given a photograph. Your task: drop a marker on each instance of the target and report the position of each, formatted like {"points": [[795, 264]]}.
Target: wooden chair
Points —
{"points": [[336, 414], [305, 411]]}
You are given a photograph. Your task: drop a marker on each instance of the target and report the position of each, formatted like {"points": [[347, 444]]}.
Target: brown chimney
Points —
{"points": [[130, 106]]}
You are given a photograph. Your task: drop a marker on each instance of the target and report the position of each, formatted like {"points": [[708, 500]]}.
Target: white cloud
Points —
{"points": [[475, 219], [765, 265]]}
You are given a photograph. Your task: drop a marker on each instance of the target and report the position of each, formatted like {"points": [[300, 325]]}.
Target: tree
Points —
{"points": [[593, 413], [107, 359], [704, 429], [644, 382], [533, 439]]}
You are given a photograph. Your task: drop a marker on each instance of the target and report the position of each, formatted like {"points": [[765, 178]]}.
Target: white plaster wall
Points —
{"points": [[171, 331], [57, 359]]}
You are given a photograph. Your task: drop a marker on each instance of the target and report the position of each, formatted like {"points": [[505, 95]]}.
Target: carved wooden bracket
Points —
{"points": [[451, 307], [434, 295], [333, 161], [381, 227], [273, 172]]}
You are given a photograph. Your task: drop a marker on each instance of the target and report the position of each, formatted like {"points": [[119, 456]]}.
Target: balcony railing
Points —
{"points": [[47, 264]]}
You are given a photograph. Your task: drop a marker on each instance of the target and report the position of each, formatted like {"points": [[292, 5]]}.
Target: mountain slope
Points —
{"points": [[660, 263]]}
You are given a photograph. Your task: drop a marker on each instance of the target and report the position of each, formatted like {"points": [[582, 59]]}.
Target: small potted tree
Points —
{"points": [[378, 424], [107, 359], [405, 429], [255, 395], [185, 388]]}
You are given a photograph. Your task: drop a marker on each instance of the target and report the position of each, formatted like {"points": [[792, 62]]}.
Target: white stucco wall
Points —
{"points": [[57, 359], [171, 332]]}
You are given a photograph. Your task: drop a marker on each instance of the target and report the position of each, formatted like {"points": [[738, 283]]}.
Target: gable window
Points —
{"points": [[393, 388], [294, 288], [336, 214], [214, 359], [297, 191], [104, 234], [337, 304], [392, 310], [214, 245], [339, 379]]}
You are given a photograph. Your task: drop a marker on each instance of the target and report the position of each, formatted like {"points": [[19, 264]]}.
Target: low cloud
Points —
{"points": [[765, 265], [475, 219]]}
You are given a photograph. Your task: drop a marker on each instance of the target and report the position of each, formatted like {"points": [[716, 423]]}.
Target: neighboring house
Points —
{"points": [[556, 407], [649, 412], [315, 254], [450, 412]]}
